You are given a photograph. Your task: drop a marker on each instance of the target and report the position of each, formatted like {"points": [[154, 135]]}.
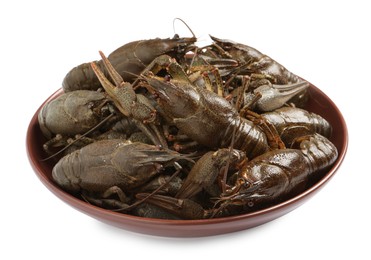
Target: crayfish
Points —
{"points": [[162, 128]]}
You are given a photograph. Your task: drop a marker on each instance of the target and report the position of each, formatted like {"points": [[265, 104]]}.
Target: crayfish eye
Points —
{"points": [[167, 77], [244, 183]]}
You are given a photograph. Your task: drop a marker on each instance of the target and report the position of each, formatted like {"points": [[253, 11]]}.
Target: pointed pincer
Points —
{"points": [[275, 96]]}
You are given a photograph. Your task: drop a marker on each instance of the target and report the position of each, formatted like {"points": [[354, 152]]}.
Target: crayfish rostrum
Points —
{"points": [[164, 129]]}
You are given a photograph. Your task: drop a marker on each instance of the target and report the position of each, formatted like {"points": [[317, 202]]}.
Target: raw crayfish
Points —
{"points": [[130, 59], [244, 152], [263, 181]]}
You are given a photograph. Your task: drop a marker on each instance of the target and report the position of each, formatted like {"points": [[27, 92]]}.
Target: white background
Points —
{"points": [[327, 43]]}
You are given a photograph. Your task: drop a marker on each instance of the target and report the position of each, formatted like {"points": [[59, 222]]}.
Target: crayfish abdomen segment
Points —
{"points": [[247, 137], [318, 151]]}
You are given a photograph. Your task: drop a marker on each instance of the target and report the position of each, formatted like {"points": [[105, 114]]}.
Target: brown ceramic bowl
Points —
{"points": [[318, 103]]}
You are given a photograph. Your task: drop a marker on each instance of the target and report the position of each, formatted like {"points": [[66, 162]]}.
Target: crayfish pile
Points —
{"points": [[162, 128]]}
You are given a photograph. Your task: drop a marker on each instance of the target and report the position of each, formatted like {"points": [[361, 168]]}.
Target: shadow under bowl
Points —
{"points": [[318, 103]]}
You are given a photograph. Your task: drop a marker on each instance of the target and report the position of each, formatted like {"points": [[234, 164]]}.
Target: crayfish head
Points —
{"points": [[182, 44], [176, 47], [244, 193], [177, 98]]}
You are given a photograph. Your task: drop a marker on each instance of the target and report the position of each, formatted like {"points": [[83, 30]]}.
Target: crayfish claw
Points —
{"points": [[273, 96], [116, 77]]}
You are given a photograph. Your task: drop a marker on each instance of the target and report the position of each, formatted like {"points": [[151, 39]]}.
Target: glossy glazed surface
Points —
{"points": [[318, 103]]}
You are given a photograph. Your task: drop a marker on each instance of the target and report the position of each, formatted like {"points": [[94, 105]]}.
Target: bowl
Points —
{"points": [[318, 103]]}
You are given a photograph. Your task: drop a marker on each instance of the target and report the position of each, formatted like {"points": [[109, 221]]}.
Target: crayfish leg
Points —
{"points": [[57, 141], [274, 139], [165, 62], [115, 190], [104, 202], [184, 208]]}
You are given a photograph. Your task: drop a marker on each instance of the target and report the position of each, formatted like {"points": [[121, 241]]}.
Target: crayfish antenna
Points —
{"points": [[189, 28], [226, 168]]}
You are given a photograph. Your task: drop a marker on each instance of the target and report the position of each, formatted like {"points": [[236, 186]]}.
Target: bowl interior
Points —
{"points": [[318, 103]]}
